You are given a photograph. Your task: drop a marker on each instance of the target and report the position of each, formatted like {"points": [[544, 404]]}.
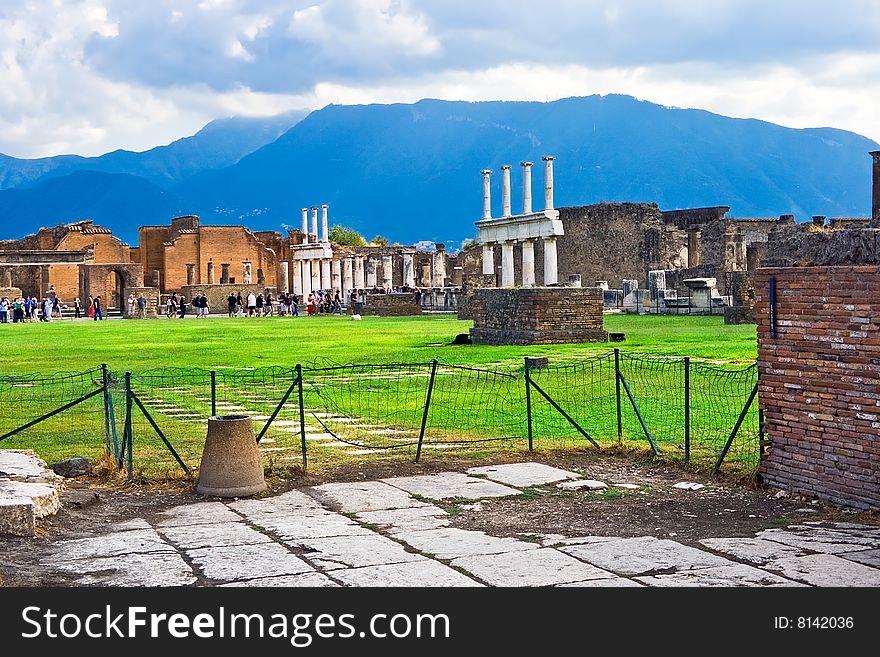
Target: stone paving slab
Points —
{"points": [[616, 582], [579, 484], [553, 540], [425, 572], [290, 528], [44, 497], [541, 567], [450, 542], [865, 531], [22, 464], [755, 551], [826, 570], [643, 555], [312, 579], [426, 516], [290, 502], [119, 544], [449, 485], [134, 523], [523, 474], [732, 575], [818, 539], [867, 557], [200, 536], [201, 513], [153, 569], [362, 496], [353, 551], [247, 562]]}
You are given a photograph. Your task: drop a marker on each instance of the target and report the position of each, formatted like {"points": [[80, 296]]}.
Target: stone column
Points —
{"points": [[305, 228], [438, 264], [336, 276], [315, 266], [347, 278], [505, 190], [248, 276], [507, 269], [387, 271], [224, 272], [297, 277], [7, 278], [528, 263], [284, 286], [210, 275], [548, 181], [315, 222], [551, 273], [190, 274], [326, 281], [527, 187], [487, 199], [325, 230], [359, 278], [371, 272], [875, 196], [409, 276], [489, 259]]}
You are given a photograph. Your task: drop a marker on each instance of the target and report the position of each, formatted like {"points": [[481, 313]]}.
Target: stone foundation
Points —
{"points": [[540, 315], [392, 305], [151, 294]]}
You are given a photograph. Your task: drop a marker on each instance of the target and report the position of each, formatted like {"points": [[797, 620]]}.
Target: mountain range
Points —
{"points": [[412, 171]]}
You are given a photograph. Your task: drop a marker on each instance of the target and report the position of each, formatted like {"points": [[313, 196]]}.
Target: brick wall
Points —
{"points": [[540, 315], [820, 382], [392, 305]]}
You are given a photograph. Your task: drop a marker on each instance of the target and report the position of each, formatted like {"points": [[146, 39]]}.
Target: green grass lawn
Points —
{"points": [[263, 342], [467, 405]]}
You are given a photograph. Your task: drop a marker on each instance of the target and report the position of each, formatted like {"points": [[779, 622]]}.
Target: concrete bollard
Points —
{"points": [[232, 465]]}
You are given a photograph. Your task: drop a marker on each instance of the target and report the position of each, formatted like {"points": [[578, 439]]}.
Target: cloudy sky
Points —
{"points": [[88, 76]]}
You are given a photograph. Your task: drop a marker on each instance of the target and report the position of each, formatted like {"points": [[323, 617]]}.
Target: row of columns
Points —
{"points": [[527, 188], [551, 271], [325, 231], [350, 273]]}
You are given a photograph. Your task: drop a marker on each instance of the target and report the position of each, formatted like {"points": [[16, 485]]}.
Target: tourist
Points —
{"points": [[268, 304], [91, 307], [141, 306], [77, 308], [32, 311], [97, 309], [260, 305], [21, 309], [56, 308], [251, 304], [295, 300], [231, 304], [131, 307], [337, 303], [183, 306], [171, 307], [47, 309], [310, 304], [283, 304], [204, 307], [239, 305], [4, 310]]}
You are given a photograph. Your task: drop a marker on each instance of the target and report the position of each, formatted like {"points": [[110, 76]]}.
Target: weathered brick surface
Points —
{"points": [[392, 305], [820, 382], [540, 315]]}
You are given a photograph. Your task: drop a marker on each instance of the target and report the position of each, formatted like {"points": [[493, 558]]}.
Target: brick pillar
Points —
{"points": [[210, 275]]}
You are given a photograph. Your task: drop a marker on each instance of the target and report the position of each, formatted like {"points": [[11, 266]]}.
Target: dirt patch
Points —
{"points": [[724, 507]]}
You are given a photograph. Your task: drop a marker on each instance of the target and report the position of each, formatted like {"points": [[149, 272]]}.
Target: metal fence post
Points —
{"points": [[128, 408], [302, 415], [213, 393], [617, 385], [528, 401], [105, 382], [427, 408], [687, 409]]}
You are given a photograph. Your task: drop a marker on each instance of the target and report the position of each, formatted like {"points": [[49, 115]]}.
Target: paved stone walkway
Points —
{"points": [[387, 533]]}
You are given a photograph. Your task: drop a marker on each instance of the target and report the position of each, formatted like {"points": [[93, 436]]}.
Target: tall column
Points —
{"points": [[315, 223], [359, 278], [507, 263], [305, 228], [527, 187], [325, 231], [326, 280], [528, 263], [190, 274], [438, 264], [297, 277], [387, 271], [875, 196], [315, 266], [210, 275], [489, 259], [551, 274], [285, 277], [487, 191], [347, 278], [548, 181], [505, 190], [371, 272], [409, 275]]}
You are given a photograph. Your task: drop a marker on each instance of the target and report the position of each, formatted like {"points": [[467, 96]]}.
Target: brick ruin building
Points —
{"points": [[81, 259]]}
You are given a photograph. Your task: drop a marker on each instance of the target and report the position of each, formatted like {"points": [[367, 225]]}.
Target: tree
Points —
{"points": [[380, 241], [346, 236]]}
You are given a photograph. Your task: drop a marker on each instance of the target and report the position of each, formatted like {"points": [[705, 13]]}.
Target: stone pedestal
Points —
{"points": [[232, 465]]}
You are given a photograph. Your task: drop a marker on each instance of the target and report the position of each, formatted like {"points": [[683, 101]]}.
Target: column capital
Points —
{"points": [[486, 172], [314, 207], [526, 164], [324, 206], [505, 167], [305, 209], [548, 158]]}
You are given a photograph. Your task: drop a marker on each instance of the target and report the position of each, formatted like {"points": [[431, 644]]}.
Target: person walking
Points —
{"points": [[260, 305], [56, 307], [4, 310], [296, 299], [47, 309], [231, 304], [77, 308], [251, 304], [141, 306], [268, 304], [98, 308], [183, 305]]}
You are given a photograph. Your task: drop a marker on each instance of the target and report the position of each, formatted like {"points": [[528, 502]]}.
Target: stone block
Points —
{"points": [[418, 574], [450, 485], [16, 516], [541, 567], [523, 474]]}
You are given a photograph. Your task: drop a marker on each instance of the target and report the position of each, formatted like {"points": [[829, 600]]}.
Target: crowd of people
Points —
{"points": [[46, 309]]}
